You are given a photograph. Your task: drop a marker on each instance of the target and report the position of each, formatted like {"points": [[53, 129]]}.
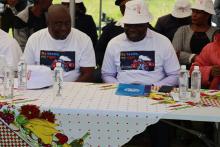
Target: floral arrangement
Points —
{"points": [[38, 128]]}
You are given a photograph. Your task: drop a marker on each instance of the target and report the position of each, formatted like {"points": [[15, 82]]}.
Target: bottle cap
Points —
{"points": [[196, 67], [58, 64], [183, 66]]}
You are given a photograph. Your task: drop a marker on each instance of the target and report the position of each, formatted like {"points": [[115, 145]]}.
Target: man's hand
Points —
{"points": [[86, 74], [215, 71], [193, 59]]}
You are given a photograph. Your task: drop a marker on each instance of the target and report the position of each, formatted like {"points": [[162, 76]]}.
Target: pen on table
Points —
{"points": [[181, 108], [105, 86], [177, 105], [191, 103], [18, 99], [25, 101]]}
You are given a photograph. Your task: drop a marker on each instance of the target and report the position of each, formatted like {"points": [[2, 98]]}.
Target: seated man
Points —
{"points": [[61, 43], [30, 20], [110, 31], [140, 47], [209, 63], [10, 49], [141, 56]]}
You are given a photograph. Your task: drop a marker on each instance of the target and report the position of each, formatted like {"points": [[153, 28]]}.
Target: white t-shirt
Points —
{"points": [[74, 52], [10, 48], [148, 61]]}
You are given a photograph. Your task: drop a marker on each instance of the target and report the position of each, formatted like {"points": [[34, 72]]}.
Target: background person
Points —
{"points": [[109, 31], [83, 21], [216, 17], [181, 15], [189, 40], [11, 8], [209, 63], [30, 20]]}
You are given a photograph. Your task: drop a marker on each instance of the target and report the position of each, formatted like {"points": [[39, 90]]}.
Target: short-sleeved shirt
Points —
{"points": [[10, 48], [144, 62], [73, 52]]}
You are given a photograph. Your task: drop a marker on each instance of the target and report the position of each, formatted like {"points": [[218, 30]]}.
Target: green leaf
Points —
{"points": [[21, 120]]}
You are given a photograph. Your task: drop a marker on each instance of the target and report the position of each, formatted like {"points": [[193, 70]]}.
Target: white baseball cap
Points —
{"points": [[39, 76], [205, 5], [136, 12], [67, 1], [182, 8]]}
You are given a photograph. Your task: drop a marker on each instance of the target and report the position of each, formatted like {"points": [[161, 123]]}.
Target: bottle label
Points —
{"points": [[58, 81], [8, 84], [184, 96], [195, 95]]}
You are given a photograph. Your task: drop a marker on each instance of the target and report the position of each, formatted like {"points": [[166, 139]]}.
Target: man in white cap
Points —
{"points": [[61, 43], [141, 56], [181, 15], [122, 51], [110, 31]]}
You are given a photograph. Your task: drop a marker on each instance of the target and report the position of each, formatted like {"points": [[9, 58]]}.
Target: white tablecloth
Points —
{"points": [[112, 120]]}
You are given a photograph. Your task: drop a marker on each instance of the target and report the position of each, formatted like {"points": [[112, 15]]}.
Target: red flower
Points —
{"points": [[62, 138], [1, 114], [30, 111], [47, 145], [8, 117], [48, 115]]}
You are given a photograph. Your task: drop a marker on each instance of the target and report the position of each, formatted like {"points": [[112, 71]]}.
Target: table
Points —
{"points": [[112, 120]]}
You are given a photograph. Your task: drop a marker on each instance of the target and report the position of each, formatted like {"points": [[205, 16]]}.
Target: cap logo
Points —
{"points": [[182, 9], [200, 1], [137, 9], [28, 74]]}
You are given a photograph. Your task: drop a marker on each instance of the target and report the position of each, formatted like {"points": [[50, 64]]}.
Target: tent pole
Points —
{"points": [[100, 17], [72, 12]]}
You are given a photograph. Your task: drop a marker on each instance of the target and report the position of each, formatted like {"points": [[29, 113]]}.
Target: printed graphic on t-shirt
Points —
{"points": [[137, 60], [50, 58]]}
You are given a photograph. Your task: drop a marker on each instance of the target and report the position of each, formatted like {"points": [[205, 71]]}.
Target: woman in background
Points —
{"points": [[189, 40], [209, 63]]}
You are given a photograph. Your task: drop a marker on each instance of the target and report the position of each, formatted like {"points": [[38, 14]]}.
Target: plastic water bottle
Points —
{"points": [[2, 65], [196, 84], [184, 95], [8, 82], [22, 74], [58, 80]]}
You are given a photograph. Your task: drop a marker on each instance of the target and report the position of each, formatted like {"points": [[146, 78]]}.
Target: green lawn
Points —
{"points": [[157, 8]]}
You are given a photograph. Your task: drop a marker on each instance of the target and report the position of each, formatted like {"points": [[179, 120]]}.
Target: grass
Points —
{"points": [[156, 7]]}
